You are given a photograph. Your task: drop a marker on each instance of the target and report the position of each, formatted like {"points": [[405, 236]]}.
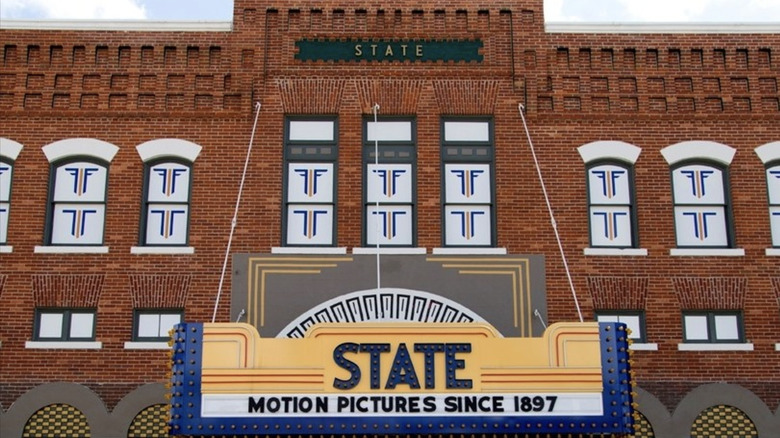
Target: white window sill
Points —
{"points": [[714, 347], [64, 345], [469, 251], [777, 347], [71, 250], [308, 250], [147, 346], [5, 249], [389, 250], [162, 250], [769, 251], [615, 251], [707, 252], [638, 346]]}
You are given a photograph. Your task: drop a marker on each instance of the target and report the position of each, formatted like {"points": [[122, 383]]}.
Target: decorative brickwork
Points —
{"points": [[159, 291], [618, 292], [396, 96], [297, 96], [466, 97], [710, 293], [55, 290]]}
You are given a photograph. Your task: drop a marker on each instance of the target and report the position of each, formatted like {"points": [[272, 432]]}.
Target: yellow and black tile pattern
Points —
{"points": [[723, 422], [151, 422], [55, 421], [642, 427]]}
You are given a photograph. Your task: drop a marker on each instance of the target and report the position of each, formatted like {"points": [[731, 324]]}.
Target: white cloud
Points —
{"points": [[73, 9]]}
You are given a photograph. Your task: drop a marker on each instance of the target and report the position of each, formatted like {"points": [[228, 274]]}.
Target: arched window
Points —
{"points": [[9, 150]]}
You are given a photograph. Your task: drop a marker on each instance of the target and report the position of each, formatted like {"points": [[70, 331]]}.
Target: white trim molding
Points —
{"points": [[768, 152], [9, 148], [714, 347], [777, 347], [162, 250], [70, 250], [708, 252], [168, 147], [624, 252], [146, 346], [700, 149], [469, 251], [663, 28], [640, 346], [308, 250], [389, 250], [606, 149], [80, 146], [119, 25], [64, 345], [6, 249], [773, 252]]}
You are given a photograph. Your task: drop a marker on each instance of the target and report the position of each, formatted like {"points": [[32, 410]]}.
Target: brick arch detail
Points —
{"points": [[58, 290], [710, 293], [618, 292]]}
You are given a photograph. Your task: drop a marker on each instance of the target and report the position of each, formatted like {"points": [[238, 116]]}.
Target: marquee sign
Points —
{"points": [[400, 378], [388, 50]]}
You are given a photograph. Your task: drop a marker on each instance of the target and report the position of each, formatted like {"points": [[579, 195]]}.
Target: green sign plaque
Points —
{"points": [[389, 50]]}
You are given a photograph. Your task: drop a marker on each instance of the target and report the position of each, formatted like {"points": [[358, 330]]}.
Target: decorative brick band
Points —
{"points": [[618, 292], [298, 98], [395, 96], [78, 290], [466, 97], [159, 291], [710, 293]]}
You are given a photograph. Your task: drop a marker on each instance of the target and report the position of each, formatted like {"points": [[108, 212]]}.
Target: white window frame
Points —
{"points": [[769, 154], [154, 152], [619, 153], [75, 150]]}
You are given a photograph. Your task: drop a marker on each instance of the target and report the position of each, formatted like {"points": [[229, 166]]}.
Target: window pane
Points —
{"points": [[80, 182], [466, 131], [5, 181], [726, 328], [773, 184], [310, 182], [389, 183], [696, 328], [169, 182], [311, 130], [148, 325], [632, 322], [389, 131], [701, 226], [391, 225], [167, 321], [609, 184], [78, 224], [166, 224], [309, 224], [50, 325], [697, 184], [81, 325], [467, 225], [610, 226]]}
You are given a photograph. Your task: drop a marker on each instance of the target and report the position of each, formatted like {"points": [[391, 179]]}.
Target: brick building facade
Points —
{"points": [[659, 148]]}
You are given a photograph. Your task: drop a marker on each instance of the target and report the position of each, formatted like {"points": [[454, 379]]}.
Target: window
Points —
{"points": [[153, 325], [78, 191], [64, 325], [77, 206], [701, 208], [166, 203], [6, 174], [611, 206], [310, 154], [389, 189], [634, 320], [468, 180], [712, 327], [773, 189]]}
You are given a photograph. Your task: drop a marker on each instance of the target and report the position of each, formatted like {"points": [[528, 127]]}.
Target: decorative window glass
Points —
{"points": [[6, 176], [390, 186], [713, 327], [153, 325], [773, 188], [77, 208], [311, 154], [64, 325], [167, 203], [634, 320], [701, 209], [611, 205], [468, 195]]}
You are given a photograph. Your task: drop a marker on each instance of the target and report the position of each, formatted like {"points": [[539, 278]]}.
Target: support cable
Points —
{"points": [[521, 108], [376, 213], [235, 213]]}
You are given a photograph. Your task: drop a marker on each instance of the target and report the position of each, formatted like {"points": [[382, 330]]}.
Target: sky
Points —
{"points": [[610, 11]]}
